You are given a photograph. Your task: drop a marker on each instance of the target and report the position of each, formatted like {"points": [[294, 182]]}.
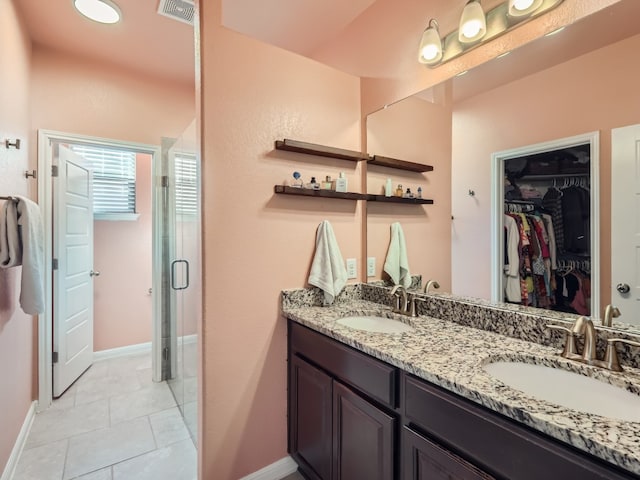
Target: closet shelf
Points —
{"points": [[399, 164], [308, 192], [551, 176], [320, 150]]}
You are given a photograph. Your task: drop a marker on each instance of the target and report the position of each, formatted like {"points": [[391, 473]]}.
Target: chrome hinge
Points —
{"points": [[165, 181], [165, 353], [54, 264], [54, 357], [54, 170]]}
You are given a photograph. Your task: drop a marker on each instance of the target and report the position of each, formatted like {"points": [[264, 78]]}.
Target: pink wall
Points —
{"points": [[81, 96], [597, 91], [419, 131], [256, 243], [17, 330], [122, 255]]}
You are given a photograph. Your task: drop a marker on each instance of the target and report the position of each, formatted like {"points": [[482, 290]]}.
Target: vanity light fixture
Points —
{"points": [[430, 50], [476, 27], [473, 23], [519, 8], [102, 11]]}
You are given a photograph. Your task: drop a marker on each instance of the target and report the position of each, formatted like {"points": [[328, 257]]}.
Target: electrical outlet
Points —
{"points": [[371, 266], [352, 268]]}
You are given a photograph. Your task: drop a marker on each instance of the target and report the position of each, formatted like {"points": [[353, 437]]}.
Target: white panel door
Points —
{"points": [[73, 279], [625, 222]]}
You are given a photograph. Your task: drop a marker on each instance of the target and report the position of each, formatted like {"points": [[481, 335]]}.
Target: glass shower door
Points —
{"points": [[182, 261]]}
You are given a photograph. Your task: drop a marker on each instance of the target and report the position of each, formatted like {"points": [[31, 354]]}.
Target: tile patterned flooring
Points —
{"points": [[114, 423]]}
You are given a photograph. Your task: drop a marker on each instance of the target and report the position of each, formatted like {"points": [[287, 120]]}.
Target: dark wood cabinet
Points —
{"points": [[342, 425], [354, 417], [426, 460], [310, 406], [363, 440]]}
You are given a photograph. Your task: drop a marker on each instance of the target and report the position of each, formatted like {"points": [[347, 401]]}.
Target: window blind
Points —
{"points": [[114, 178], [186, 184]]}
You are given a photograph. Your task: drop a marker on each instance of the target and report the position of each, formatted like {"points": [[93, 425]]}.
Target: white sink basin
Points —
{"points": [[375, 324], [568, 389]]}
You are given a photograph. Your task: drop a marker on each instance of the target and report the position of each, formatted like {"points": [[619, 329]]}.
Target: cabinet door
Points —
{"points": [[310, 419], [363, 443], [425, 460]]}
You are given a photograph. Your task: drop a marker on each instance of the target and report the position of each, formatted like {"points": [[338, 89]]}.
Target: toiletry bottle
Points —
{"points": [[327, 185], [408, 193], [399, 191], [341, 183], [297, 182], [388, 189], [419, 192], [313, 184]]}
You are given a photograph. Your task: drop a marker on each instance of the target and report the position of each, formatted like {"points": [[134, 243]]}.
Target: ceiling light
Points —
{"points": [[473, 23], [430, 50], [519, 8], [476, 27], [103, 11]]}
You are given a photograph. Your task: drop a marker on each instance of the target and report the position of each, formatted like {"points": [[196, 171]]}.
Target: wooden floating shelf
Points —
{"points": [[399, 164], [308, 192], [320, 150], [410, 201]]}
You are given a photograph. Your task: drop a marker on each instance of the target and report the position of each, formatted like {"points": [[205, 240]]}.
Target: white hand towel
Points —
{"points": [[32, 236], [396, 264], [10, 244], [327, 270]]}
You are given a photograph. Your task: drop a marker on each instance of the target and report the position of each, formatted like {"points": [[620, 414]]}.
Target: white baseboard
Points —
{"points": [[122, 351], [12, 463], [275, 471]]}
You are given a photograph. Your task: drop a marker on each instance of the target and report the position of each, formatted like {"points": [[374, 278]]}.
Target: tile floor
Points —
{"points": [[114, 423]]}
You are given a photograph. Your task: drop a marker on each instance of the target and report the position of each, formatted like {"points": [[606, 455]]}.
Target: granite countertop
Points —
{"points": [[452, 356]]}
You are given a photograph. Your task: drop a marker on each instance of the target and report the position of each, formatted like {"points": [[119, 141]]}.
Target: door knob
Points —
{"points": [[94, 274], [623, 288]]}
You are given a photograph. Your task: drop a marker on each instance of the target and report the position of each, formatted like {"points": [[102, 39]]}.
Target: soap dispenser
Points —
{"points": [[341, 183]]}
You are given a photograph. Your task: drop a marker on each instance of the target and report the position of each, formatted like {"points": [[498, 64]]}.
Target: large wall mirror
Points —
{"points": [[581, 80]]}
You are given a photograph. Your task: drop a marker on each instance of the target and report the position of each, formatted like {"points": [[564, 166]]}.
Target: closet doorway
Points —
{"points": [[545, 225]]}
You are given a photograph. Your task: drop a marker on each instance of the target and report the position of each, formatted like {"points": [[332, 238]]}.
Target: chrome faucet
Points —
{"points": [[584, 326], [405, 303], [610, 312], [431, 283], [401, 299]]}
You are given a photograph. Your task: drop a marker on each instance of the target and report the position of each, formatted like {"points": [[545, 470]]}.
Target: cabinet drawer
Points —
{"points": [[425, 460], [369, 375], [495, 443]]}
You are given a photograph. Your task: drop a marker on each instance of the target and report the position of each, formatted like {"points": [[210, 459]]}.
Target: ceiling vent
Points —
{"points": [[181, 10]]}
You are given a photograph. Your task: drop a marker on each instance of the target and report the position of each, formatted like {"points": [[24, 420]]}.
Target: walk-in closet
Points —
{"points": [[547, 230]]}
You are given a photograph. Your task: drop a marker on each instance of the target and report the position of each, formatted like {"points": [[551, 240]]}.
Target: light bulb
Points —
{"points": [[521, 8], [430, 50], [473, 23], [102, 11]]}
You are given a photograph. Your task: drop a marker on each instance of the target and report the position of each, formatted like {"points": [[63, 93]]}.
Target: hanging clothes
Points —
{"points": [[511, 282]]}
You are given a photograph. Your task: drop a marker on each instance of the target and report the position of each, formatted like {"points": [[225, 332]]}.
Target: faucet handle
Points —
{"points": [[611, 354], [569, 350]]}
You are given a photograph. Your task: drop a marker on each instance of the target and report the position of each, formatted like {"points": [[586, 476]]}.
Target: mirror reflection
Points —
{"points": [[579, 81]]}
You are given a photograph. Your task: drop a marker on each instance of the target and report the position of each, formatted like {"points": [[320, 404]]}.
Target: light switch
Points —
{"points": [[371, 266], [352, 268]]}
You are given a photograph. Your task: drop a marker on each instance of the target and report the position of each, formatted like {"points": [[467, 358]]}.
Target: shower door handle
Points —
{"points": [[173, 275]]}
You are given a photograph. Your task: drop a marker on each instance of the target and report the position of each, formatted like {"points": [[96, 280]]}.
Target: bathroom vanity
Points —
{"points": [[418, 405]]}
